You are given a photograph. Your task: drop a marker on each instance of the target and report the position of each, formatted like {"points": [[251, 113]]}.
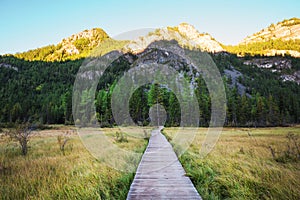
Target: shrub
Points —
{"points": [[81, 44], [21, 134], [291, 153], [62, 141], [121, 137]]}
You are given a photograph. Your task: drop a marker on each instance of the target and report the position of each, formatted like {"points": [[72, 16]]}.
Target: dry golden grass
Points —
{"points": [[45, 173], [241, 165]]}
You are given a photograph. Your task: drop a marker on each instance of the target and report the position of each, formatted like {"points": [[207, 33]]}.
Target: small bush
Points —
{"points": [[22, 134], [291, 153], [121, 137], [105, 125], [4, 169], [62, 141]]}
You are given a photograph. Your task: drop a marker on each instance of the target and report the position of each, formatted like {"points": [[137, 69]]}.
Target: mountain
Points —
{"points": [[285, 30], [77, 46], [282, 38], [42, 91], [185, 34], [83, 41], [275, 49], [261, 90], [81, 45]]}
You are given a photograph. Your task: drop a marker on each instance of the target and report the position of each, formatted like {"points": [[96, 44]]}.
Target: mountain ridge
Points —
{"points": [[288, 29], [186, 35], [260, 91], [282, 38], [76, 46], [81, 44]]}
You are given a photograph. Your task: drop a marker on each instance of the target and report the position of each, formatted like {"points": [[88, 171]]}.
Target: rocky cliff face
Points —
{"points": [[282, 38], [76, 46], [185, 34], [278, 65], [87, 39], [285, 30]]}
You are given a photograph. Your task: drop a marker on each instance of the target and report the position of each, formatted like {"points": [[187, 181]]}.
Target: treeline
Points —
{"points": [[260, 48], [42, 92], [282, 108], [36, 91]]}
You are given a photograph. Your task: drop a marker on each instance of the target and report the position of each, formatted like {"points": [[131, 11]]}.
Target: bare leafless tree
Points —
{"points": [[62, 140], [22, 134]]}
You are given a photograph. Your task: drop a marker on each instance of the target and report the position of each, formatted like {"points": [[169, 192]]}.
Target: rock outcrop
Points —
{"points": [[185, 34], [82, 40], [279, 65], [285, 30]]}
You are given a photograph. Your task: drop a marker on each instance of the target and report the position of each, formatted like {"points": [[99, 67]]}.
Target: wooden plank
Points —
{"points": [[160, 175]]}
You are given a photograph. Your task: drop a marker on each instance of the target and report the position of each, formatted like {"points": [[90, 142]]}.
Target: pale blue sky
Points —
{"points": [[28, 24]]}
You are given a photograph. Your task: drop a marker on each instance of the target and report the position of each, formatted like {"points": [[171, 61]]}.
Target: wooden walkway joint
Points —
{"points": [[160, 175]]}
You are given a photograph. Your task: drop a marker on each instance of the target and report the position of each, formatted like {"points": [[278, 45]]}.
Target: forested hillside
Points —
{"points": [[42, 92], [266, 47], [36, 90], [37, 85]]}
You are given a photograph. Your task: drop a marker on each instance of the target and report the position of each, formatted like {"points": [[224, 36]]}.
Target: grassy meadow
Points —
{"points": [[246, 163], [46, 173], [242, 164]]}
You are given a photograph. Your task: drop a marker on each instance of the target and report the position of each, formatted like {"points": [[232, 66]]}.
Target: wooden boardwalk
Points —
{"points": [[160, 175]]}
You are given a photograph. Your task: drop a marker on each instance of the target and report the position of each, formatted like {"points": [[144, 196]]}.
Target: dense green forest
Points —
{"points": [[41, 91]]}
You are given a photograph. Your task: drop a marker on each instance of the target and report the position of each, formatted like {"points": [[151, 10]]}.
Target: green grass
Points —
{"points": [[45, 173], [241, 165]]}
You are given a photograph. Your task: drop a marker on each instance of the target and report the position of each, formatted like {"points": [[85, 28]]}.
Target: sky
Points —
{"points": [[35, 23]]}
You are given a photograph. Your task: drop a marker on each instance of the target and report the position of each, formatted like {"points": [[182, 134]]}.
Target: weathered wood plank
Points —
{"points": [[160, 175]]}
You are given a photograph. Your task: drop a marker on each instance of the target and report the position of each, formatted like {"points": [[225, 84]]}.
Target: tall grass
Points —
{"points": [[45, 173], [241, 166]]}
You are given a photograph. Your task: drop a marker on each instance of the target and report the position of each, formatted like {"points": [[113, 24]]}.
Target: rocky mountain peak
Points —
{"points": [[86, 39], [285, 30], [281, 39], [189, 31], [184, 33]]}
